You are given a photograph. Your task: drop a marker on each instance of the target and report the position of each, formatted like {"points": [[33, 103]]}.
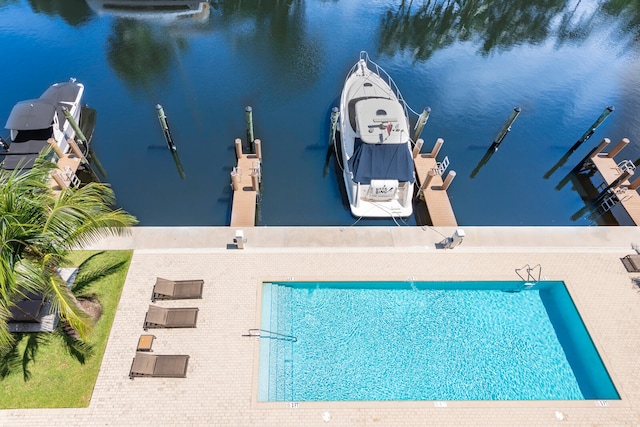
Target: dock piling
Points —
{"points": [[248, 113], [335, 114], [75, 126], [448, 180], [54, 145], [236, 176], [258, 148], [422, 120], [436, 148], [608, 110], [238, 143], [615, 150], [76, 150], [506, 128], [417, 148], [164, 124], [426, 182], [635, 184]]}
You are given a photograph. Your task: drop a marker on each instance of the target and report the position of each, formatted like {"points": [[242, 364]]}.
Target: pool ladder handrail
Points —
{"points": [[530, 277], [256, 332]]}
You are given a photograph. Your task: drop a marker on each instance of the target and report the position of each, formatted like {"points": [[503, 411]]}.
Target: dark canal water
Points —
{"points": [[561, 61]]}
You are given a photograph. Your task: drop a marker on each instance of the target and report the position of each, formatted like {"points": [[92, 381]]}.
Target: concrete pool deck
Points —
{"points": [[220, 388]]}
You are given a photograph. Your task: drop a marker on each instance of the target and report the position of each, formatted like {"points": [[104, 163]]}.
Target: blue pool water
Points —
{"points": [[342, 341]]}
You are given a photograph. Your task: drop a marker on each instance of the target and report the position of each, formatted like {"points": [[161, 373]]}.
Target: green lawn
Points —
{"points": [[57, 379]]}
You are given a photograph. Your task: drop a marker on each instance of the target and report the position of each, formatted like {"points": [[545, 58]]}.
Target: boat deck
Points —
{"points": [[436, 199]]}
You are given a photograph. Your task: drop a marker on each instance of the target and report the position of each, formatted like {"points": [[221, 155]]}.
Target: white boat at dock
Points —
{"points": [[376, 145], [32, 123]]}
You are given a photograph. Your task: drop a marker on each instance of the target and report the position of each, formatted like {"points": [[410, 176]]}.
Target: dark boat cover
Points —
{"points": [[23, 162], [31, 114], [381, 161], [27, 147]]}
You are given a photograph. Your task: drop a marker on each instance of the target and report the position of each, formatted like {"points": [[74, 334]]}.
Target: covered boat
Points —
{"points": [[33, 122], [378, 168]]}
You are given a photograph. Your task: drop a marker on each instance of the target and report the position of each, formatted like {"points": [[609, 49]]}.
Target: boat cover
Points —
{"points": [[27, 147], [31, 114], [381, 161], [19, 162]]}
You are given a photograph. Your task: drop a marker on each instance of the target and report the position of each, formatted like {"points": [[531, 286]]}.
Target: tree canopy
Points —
{"points": [[38, 229]]}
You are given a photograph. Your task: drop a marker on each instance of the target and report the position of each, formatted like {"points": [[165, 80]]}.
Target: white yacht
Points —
{"points": [[377, 163]]}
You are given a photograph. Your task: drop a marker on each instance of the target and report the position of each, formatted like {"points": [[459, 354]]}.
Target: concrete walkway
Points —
{"points": [[220, 388]]}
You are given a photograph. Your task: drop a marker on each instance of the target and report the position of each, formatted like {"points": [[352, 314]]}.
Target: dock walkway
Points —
{"points": [[434, 193], [244, 178]]}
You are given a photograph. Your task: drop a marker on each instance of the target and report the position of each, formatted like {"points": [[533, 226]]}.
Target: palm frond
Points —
{"points": [[78, 349], [85, 278], [34, 341], [65, 304]]}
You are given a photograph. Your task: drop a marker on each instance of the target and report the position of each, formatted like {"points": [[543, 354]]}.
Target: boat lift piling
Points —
{"points": [[581, 165], [248, 113], [331, 145], [335, 114], [608, 110], [164, 124], [75, 127], [506, 128], [422, 120]]}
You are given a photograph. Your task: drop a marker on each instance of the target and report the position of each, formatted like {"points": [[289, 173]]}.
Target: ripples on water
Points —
{"points": [[561, 61]]}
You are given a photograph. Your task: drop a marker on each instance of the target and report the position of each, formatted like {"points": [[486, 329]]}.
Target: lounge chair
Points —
{"points": [[160, 317], [177, 289], [632, 263], [159, 365]]}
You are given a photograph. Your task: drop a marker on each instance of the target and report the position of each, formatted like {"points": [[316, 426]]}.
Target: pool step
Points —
{"points": [[281, 350]]}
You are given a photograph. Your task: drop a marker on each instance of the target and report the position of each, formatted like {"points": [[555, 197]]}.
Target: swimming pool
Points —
{"points": [[346, 341]]}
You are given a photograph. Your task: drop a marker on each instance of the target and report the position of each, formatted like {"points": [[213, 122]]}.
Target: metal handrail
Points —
{"points": [[529, 270], [272, 335], [364, 56]]}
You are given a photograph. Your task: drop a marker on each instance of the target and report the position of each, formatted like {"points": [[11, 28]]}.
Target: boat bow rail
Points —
{"points": [[375, 68]]}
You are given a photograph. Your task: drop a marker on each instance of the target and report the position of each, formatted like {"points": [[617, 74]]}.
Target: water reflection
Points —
{"points": [[157, 10], [74, 12], [497, 25], [274, 30], [140, 54]]}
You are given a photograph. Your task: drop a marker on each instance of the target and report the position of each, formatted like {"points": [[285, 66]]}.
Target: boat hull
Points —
{"points": [[374, 130]]}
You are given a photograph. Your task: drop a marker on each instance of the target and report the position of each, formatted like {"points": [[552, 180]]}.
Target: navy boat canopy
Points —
{"points": [[381, 161]]}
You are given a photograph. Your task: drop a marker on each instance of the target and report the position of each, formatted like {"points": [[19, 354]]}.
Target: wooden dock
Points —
{"points": [[68, 164], [245, 181], [626, 191], [434, 193]]}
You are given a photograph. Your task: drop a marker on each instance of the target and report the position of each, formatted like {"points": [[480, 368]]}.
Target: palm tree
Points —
{"points": [[38, 229]]}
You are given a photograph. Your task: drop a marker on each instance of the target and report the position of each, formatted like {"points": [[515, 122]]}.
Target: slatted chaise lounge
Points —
{"points": [[160, 317], [177, 289], [159, 365], [632, 263]]}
